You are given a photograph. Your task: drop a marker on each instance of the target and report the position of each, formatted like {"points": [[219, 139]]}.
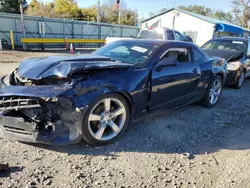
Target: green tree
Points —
{"points": [[198, 9], [89, 14], [217, 14], [10, 6], [42, 9], [70, 9], [67, 8], [241, 10], [224, 16], [129, 17]]}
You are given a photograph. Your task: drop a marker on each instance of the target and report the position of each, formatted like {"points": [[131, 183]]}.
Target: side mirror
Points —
{"points": [[166, 62]]}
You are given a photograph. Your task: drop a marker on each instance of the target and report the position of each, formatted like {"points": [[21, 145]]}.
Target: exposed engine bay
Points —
{"points": [[15, 79]]}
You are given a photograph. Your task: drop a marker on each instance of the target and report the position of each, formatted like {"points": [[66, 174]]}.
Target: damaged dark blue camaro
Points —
{"points": [[63, 99]]}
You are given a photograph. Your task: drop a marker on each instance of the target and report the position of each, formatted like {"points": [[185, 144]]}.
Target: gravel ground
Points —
{"points": [[150, 153]]}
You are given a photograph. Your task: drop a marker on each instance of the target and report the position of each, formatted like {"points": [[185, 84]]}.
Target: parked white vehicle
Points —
{"points": [[113, 39], [159, 33]]}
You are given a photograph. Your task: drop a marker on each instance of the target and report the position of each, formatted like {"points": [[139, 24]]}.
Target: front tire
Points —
{"points": [[106, 119], [213, 93], [241, 80]]}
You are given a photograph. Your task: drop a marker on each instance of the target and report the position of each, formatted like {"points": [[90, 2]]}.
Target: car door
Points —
{"points": [[176, 84]]}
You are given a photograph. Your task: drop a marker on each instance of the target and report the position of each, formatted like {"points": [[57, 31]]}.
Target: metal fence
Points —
{"points": [[39, 27]]}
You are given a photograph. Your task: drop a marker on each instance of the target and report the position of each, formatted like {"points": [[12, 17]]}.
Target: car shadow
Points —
{"points": [[192, 129]]}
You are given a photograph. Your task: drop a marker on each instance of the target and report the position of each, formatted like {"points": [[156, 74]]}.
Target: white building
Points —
{"points": [[199, 28]]}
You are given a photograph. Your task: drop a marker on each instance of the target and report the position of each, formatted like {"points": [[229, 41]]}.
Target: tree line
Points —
{"points": [[240, 13], [71, 10]]}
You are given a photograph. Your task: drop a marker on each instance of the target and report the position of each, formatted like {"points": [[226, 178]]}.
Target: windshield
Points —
{"points": [[132, 52], [225, 45], [150, 34]]}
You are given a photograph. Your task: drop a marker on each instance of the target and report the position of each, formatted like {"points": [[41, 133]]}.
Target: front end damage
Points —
{"points": [[35, 112], [42, 120], [45, 99]]}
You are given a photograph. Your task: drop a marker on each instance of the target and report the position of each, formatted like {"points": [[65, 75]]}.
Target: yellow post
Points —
{"points": [[12, 40]]}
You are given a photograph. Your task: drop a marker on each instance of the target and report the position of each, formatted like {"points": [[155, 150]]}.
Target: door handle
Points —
{"points": [[195, 71]]}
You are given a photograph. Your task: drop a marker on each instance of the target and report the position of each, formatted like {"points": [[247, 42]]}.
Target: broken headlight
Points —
{"points": [[233, 66]]}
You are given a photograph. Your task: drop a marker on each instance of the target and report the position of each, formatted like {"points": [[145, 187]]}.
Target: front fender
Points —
{"points": [[84, 94], [219, 67]]}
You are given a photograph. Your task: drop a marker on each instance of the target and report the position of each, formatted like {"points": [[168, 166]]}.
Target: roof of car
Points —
{"points": [[230, 39], [159, 42], [148, 29]]}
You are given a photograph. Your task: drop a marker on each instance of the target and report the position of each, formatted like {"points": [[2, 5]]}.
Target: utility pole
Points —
{"points": [[98, 11], [23, 24], [174, 16], [119, 14]]}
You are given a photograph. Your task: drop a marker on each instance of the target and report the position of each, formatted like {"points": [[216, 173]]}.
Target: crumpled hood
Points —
{"points": [[63, 66], [227, 55]]}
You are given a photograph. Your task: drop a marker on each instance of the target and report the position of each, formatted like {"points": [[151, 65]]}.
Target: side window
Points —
{"points": [[170, 35], [197, 55], [179, 36], [181, 55]]}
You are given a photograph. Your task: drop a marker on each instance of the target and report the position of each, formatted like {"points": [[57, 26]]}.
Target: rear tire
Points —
{"points": [[241, 80], [106, 119], [213, 93]]}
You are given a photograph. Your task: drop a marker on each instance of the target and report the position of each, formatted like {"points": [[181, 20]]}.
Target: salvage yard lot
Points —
{"points": [[149, 154]]}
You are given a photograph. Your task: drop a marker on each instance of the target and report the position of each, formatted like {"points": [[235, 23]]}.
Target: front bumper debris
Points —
{"points": [[233, 77], [40, 116], [14, 128], [16, 103]]}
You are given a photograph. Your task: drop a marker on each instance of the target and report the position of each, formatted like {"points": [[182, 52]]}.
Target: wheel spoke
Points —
{"points": [[114, 127], [211, 93], [217, 86], [214, 85], [212, 99], [94, 117], [118, 112], [99, 133], [107, 104]]}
